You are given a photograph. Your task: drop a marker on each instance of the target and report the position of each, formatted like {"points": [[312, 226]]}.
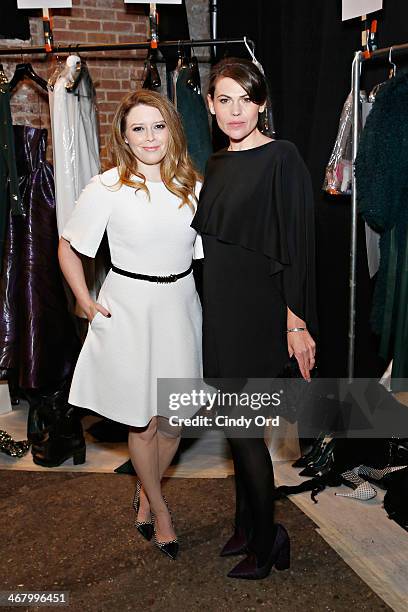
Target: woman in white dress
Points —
{"points": [[146, 323]]}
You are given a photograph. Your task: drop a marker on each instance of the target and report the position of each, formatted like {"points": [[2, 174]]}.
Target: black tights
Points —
{"points": [[254, 489]]}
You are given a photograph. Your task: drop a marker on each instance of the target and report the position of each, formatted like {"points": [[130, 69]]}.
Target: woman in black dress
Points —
{"points": [[256, 218]]}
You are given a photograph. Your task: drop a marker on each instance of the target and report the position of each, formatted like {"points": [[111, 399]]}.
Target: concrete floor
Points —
{"points": [[74, 532]]}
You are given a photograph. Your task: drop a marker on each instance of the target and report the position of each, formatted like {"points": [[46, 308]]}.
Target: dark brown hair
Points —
{"points": [[243, 72]]}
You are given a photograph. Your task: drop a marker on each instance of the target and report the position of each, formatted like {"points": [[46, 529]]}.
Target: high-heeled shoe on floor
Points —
{"points": [[322, 464], [236, 545], [145, 528], [312, 454], [169, 548], [380, 477], [362, 490], [279, 557]]}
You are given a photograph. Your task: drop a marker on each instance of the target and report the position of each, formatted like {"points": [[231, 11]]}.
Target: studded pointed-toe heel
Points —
{"points": [[169, 548], [145, 528]]}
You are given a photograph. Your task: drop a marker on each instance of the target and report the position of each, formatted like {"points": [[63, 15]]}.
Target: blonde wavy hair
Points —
{"points": [[177, 170]]}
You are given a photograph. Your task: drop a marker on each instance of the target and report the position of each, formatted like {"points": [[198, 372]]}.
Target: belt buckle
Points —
{"points": [[166, 279]]}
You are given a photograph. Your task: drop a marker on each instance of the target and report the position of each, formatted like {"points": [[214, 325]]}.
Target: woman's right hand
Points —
{"points": [[93, 308]]}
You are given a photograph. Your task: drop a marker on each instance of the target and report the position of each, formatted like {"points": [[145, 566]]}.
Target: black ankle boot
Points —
{"points": [[65, 440]]}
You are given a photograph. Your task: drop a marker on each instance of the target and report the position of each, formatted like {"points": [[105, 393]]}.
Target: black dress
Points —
{"points": [[256, 217]]}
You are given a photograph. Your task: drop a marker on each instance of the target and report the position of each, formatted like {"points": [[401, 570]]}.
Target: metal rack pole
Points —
{"points": [[83, 48], [355, 88], [214, 15]]}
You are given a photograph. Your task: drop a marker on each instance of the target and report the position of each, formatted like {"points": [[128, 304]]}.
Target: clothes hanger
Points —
{"points": [[194, 81], [391, 74], [25, 71], [57, 71], [252, 54], [151, 76], [182, 56], [393, 70]]}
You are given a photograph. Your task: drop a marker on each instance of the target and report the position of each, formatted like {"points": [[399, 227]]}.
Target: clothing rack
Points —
{"points": [[359, 59], [83, 48]]}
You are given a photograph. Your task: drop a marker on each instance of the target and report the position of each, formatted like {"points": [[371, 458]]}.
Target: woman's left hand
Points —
{"points": [[303, 347]]}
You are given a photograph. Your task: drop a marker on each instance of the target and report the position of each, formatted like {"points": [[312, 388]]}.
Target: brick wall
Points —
{"points": [[114, 73]]}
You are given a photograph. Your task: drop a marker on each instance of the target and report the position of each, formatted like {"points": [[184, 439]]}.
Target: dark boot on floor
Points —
{"points": [[63, 440]]}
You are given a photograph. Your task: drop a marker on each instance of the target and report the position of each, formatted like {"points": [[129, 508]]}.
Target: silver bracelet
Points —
{"points": [[295, 329]]}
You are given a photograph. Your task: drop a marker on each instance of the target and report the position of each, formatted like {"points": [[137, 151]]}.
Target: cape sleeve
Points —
{"points": [[87, 223], [295, 198]]}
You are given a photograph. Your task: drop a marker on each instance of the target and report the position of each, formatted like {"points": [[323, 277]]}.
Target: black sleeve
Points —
{"points": [[296, 200]]}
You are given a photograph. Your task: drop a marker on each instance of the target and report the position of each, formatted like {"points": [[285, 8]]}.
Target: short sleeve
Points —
{"points": [[87, 224], [299, 282]]}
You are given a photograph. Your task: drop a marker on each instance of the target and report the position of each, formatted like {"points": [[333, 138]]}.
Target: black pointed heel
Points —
{"points": [[236, 545], [312, 454], [323, 463], [145, 528], [169, 548], [248, 568]]}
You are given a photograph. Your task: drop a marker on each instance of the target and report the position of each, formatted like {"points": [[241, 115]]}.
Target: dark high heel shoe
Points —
{"points": [[312, 454], [236, 545], [323, 463], [279, 557], [145, 528], [169, 548]]}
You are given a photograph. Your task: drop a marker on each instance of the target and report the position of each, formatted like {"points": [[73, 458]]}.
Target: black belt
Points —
{"points": [[153, 279]]}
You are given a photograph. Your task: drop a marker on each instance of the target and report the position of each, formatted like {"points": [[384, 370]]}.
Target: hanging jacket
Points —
{"points": [[382, 194], [75, 149]]}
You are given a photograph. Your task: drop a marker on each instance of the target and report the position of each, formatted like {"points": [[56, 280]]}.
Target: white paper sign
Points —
{"points": [[148, 2], [357, 8], [31, 4]]}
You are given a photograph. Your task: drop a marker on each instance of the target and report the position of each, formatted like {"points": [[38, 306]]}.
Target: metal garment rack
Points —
{"points": [[359, 59], [84, 48]]}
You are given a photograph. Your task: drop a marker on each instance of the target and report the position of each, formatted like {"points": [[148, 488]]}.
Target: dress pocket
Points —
{"points": [[97, 320]]}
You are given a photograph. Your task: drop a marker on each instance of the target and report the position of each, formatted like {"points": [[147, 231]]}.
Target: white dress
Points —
{"points": [[155, 329]]}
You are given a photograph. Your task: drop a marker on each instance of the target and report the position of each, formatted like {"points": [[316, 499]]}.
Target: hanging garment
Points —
{"points": [[192, 109], [75, 140], [37, 336], [9, 191], [75, 147], [372, 237], [382, 187]]}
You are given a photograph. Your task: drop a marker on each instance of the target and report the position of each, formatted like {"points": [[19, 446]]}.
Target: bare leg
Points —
{"points": [[143, 449], [168, 438]]}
